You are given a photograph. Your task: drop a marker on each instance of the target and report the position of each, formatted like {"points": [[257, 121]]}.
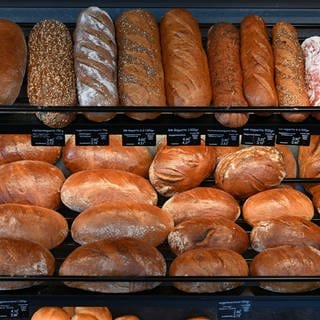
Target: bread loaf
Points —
{"points": [[210, 263], [87, 188], [13, 57], [287, 261], [257, 63], [44, 226], [202, 201], [290, 162], [95, 62], [275, 203], [140, 74], [222, 151], [92, 313], [135, 159], [223, 48], [289, 70], [179, 168], [14, 147], [51, 79], [250, 170], [185, 63], [208, 232], [23, 258], [123, 257], [285, 230], [50, 313], [31, 182], [114, 220]]}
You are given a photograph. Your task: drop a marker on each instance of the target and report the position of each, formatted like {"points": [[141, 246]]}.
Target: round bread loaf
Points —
{"points": [[133, 159], [31, 182], [44, 226], [287, 261], [286, 230], [179, 168], [275, 203], [23, 258], [208, 262], [250, 170], [123, 257], [15, 147], [208, 232], [114, 220], [91, 313], [202, 201], [87, 188], [50, 313]]}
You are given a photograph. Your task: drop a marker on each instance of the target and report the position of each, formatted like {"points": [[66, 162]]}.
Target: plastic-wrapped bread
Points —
{"points": [[140, 73], [95, 62], [289, 70], [185, 62], [223, 48], [51, 79]]}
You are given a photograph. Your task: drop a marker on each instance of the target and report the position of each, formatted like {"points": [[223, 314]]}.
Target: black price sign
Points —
{"points": [[293, 136], [217, 137], [138, 137], [183, 137], [233, 309], [259, 137], [14, 310], [92, 137], [47, 137]]}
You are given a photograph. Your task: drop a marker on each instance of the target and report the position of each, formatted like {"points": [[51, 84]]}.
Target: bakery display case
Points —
{"points": [[247, 301]]}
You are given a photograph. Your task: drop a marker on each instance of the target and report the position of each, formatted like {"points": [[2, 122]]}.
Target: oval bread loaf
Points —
{"points": [[31, 182], [50, 313], [275, 203], [287, 261], [210, 263], [116, 220], [202, 201], [123, 257], [87, 188]]}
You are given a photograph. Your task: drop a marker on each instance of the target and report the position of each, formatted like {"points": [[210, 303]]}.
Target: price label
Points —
{"points": [[259, 136], [138, 137], [217, 137], [293, 136], [14, 310], [183, 137], [233, 309], [92, 137], [47, 137]]}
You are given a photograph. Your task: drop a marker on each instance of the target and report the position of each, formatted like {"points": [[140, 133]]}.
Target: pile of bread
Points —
{"points": [[119, 222], [135, 62]]}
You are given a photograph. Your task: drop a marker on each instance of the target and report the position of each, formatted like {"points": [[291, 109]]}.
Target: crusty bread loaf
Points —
{"points": [[223, 48], [250, 170], [201, 201], [285, 230], [23, 258], [135, 159], [14, 147], [13, 57], [289, 70], [185, 63], [275, 203], [289, 159], [37, 224], [114, 220], [208, 232], [123, 257], [50, 313], [87, 188], [127, 317], [140, 73], [287, 261], [95, 62], [257, 63], [51, 79], [222, 151], [31, 182], [92, 313], [210, 263], [179, 168]]}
